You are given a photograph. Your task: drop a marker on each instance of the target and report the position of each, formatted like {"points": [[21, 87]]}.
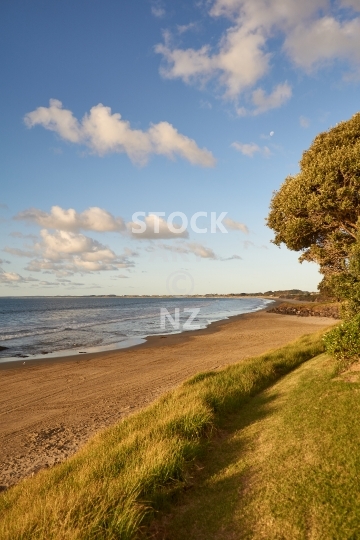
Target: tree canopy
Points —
{"points": [[317, 211]]}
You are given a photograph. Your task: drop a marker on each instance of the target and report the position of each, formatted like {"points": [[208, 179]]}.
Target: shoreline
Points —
{"points": [[147, 341], [48, 410]]}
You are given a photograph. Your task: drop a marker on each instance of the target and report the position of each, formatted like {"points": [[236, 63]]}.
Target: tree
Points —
{"points": [[317, 211]]}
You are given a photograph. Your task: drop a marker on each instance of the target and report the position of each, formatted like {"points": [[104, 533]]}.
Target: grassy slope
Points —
{"points": [[288, 467], [113, 485]]}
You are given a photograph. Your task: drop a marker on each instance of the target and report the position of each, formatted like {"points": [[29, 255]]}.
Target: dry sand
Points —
{"points": [[48, 409]]}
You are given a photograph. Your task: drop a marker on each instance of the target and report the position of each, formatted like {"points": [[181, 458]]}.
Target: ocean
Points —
{"points": [[39, 327]]}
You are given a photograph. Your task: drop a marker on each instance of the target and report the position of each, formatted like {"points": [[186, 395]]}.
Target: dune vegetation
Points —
{"points": [[287, 467], [115, 486]]}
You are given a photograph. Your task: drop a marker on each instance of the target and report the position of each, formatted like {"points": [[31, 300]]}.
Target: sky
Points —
{"points": [[141, 141]]}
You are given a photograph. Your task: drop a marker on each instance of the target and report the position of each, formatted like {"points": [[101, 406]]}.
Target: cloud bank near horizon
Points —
{"points": [[61, 248]]}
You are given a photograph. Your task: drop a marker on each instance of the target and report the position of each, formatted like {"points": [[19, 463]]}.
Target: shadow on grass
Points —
{"points": [[287, 466], [206, 508]]}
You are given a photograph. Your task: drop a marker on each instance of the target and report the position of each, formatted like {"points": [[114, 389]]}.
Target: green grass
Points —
{"points": [[287, 467], [113, 486]]}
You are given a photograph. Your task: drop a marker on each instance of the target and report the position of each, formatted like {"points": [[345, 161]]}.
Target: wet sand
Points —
{"points": [[49, 408]]}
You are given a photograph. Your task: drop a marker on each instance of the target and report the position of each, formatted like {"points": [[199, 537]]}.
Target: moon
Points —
{"points": [[272, 133]]}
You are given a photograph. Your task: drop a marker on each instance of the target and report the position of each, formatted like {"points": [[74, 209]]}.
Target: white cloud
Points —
{"points": [[304, 122], [182, 28], [239, 64], [324, 40], [18, 252], [59, 244], [92, 219], [13, 277], [313, 34], [200, 251], [50, 267], [186, 248], [190, 248], [157, 10], [105, 132], [280, 95], [65, 253], [235, 225], [250, 149], [155, 223]]}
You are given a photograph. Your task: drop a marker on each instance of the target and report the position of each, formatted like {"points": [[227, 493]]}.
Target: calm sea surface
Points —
{"points": [[53, 326]]}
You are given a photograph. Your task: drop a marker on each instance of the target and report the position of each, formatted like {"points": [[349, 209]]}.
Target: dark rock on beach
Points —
{"points": [[329, 310]]}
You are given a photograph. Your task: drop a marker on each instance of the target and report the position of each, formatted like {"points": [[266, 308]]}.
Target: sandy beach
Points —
{"points": [[48, 409]]}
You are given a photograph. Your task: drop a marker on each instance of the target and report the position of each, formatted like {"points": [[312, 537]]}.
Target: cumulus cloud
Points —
{"points": [[62, 249], [155, 228], [239, 64], [93, 219], [60, 244], [65, 253], [235, 225], [324, 40], [104, 132], [312, 33], [250, 149]]}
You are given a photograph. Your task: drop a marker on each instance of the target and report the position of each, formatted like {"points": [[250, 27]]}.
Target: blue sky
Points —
{"points": [[111, 108]]}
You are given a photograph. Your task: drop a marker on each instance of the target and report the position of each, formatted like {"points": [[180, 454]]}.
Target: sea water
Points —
{"points": [[38, 326]]}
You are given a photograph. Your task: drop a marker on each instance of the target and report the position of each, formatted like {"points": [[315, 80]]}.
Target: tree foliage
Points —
{"points": [[343, 342], [317, 211]]}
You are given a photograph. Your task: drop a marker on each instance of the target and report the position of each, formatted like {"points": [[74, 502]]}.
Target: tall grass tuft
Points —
{"points": [[124, 474]]}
